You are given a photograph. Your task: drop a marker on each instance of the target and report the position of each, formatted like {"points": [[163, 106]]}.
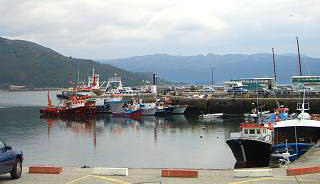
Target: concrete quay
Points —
{"points": [[73, 175], [241, 105]]}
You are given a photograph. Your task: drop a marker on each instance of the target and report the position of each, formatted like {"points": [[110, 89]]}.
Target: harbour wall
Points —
{"points": [[241, 105]]}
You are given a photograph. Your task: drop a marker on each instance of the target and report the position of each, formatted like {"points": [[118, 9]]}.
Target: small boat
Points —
{"points": [[251, 147], [255, 114], [179, 109], [210, 116], [163, 109]]}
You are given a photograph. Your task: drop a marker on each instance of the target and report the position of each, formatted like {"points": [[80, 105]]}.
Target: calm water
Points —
{"points": [[149, 142]]}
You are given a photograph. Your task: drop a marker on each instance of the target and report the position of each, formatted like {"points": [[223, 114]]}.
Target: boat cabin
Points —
{"points": [[256, 131]]}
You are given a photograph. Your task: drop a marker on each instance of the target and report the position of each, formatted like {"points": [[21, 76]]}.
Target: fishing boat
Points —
{"points": [[165, 107], [252, 146], [298, 135], [92, 88], [73, 106]]}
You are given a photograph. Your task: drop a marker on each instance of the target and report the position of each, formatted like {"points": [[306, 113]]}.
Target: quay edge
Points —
{"points": [[240, 105]]}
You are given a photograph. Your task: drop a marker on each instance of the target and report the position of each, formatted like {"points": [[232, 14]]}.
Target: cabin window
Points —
{"points": [[245, 131], [258, 131], [252, 131], [264, 131]]}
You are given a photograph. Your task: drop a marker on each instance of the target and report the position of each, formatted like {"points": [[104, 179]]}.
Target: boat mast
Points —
{"points": [[299, 56], [274, 68], [212, 76], [77, 80]]}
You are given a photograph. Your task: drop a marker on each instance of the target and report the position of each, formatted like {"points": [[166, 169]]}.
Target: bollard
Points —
{"points": [[275, 160]]}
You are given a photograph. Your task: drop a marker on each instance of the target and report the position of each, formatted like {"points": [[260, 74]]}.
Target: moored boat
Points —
{"points": [[252, 146], [298, 135], [73, 106], [210, 116], [162, 110]]}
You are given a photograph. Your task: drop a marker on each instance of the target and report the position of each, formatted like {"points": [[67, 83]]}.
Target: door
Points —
{"points": [[5, 159]]}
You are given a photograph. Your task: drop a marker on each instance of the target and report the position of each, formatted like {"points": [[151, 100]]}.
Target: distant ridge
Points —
{"points": [[32, 65], [197, 69]]}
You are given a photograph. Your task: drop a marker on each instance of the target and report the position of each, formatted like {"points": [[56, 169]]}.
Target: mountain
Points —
{"points": [[197, 69], [27, 63]]}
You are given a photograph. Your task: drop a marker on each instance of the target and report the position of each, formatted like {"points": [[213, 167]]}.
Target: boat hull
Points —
{"points": [[149, 112], [292, 149], [165, 110], [130, 114], [250, 152], [179, 110], [57, 111]]}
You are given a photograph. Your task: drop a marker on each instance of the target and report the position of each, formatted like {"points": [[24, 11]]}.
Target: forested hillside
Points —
{"points": [[27, 63]]}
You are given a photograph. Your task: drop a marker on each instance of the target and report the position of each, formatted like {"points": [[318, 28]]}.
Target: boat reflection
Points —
{"points": [[87, 126], [116, 126]]}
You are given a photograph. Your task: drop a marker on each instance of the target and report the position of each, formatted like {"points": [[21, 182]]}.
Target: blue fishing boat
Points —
{"points": [[296, 136]]}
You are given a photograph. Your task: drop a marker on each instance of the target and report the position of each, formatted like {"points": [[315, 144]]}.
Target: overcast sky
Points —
{"points": [[99, 29]]}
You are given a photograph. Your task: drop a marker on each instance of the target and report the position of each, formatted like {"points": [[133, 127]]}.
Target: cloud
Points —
{"points": [[121, 28]]}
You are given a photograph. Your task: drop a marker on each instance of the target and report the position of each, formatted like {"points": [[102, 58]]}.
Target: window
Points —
{"points": [[252, 131], [258, 131], [245, 131]]}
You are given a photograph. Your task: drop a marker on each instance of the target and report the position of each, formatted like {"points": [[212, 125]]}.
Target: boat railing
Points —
{"points": [[262, 137], [235, 135]]}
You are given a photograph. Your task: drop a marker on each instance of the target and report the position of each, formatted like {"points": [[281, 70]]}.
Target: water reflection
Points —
{"points": [[147, 142], [91, 126]]}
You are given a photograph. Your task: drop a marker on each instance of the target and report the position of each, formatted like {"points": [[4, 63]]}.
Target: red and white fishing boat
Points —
{"points": [[73, 106], [92, 88]]}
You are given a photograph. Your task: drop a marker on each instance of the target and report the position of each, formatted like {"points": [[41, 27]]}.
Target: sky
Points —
{"points": [[106, 29]]}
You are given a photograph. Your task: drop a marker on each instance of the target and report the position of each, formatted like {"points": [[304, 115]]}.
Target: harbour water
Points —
{"points": [[176, 141]]}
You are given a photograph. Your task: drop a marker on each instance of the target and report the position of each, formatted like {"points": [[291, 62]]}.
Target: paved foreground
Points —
{"points": [[72, 175]]}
